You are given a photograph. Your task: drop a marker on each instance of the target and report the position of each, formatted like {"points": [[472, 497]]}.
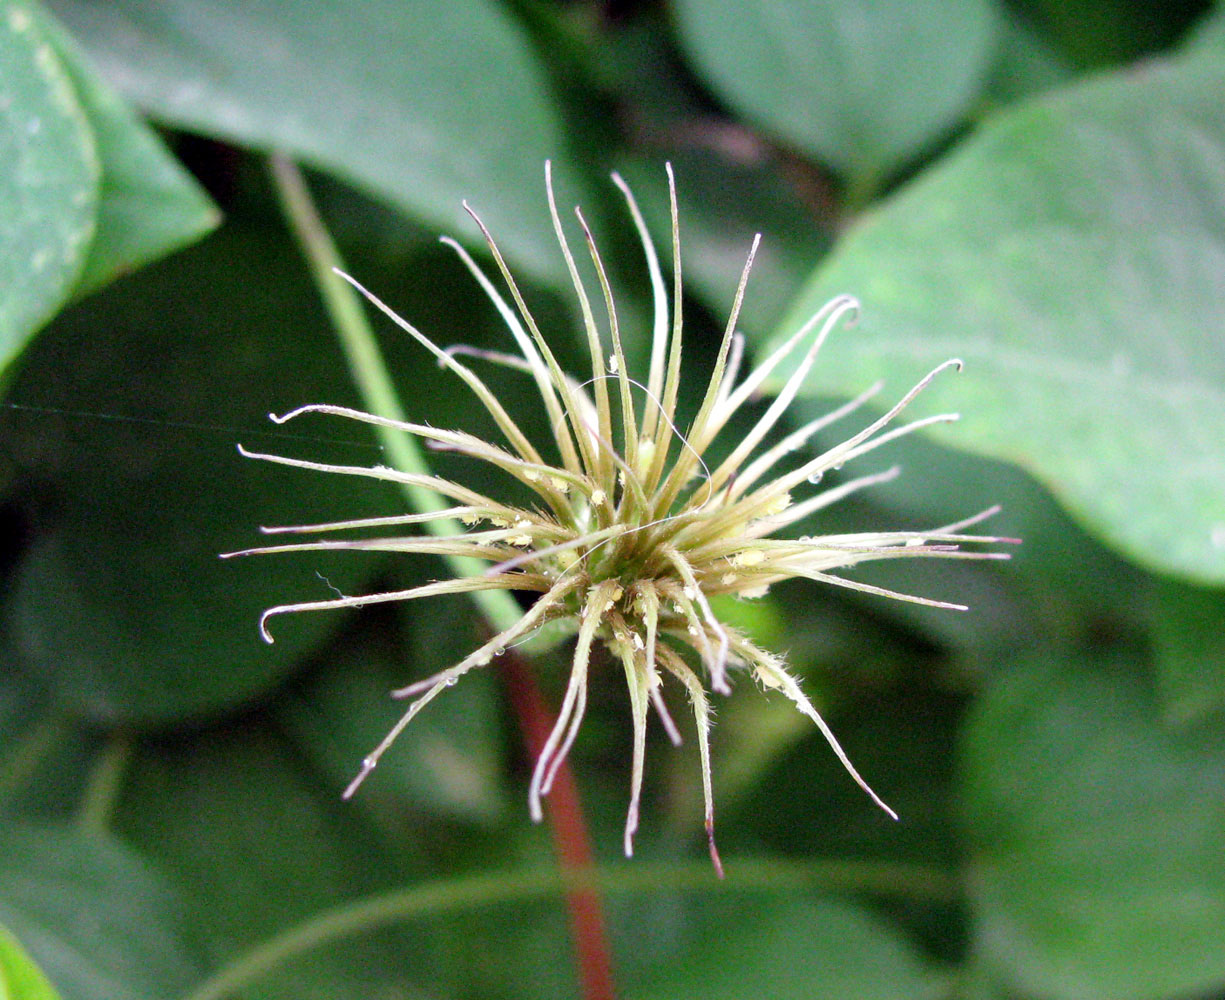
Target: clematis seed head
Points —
{"points": [[628, 545]]}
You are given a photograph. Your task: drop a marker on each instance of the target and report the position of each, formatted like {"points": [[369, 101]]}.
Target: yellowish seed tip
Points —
{"points": [[646, 455], [748, 557], [778, 505]]}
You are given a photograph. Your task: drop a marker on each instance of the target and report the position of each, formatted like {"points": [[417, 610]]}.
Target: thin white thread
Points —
{"points": [[668, 420], [331, 586], [123, 418]]}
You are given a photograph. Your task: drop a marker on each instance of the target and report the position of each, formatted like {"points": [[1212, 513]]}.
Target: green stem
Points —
{"points": [[348, 316], [21, 763], [908, 882], [104, 784], [373, 381]]}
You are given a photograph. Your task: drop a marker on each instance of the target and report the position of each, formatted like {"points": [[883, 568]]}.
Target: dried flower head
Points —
{"points": [[632, 532]]}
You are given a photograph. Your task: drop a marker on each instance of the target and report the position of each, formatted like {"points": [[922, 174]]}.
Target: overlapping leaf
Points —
{"points": [[1071, 254], [49, 174], [20, 976], [862, 86], [423, 104], [148, 204], [100, 922], [795, 950], [87, 192], [1096, 833]]}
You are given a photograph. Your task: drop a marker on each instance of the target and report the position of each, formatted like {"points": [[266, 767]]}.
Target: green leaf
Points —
{"points": [[1207, 37], [1059, 584], [975, 982], [44, 760], [120, 601], [93, 914], [1071, 253], [421, 104], [1098, 872], [260, 843], [449, 761], [1025, 64], [797, 950], [1106, 32], [863, 86], [1189, 649], [721, 204], [149, 204], [20, 976], [48, 181]]}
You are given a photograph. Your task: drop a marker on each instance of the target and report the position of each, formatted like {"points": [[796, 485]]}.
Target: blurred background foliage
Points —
{"points": [[1037, 187]]}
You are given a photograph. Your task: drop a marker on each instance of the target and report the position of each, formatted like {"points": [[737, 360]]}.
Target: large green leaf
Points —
{"points": [[1025, 64], [1189, 649], [48, 180], [1071, 253], [1098, 872], [1208, 35], [796, 950], [863, 86], [1109, 32], [721, 204], [260, 843], [20, 976], [423, 104], [120, 602], [98, 920], [1058, 585], [149, 205]]}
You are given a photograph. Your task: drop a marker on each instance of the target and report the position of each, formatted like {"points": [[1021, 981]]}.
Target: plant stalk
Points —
{"points": [[571, 840], [374, 383], [888, 880]]}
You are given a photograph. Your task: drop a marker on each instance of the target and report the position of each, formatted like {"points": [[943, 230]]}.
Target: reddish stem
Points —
{"points": [[570, 838]]}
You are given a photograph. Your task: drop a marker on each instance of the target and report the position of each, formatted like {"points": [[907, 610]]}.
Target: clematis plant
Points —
{"points": [[632, 531]]}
